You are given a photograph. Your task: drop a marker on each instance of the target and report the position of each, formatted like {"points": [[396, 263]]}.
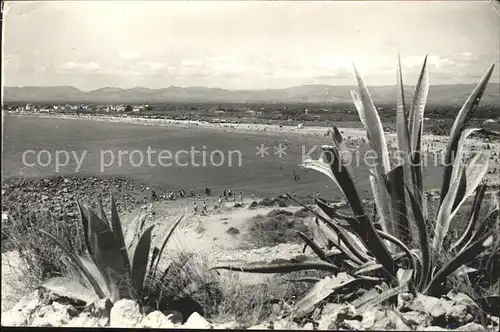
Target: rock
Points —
{"points": [[263, 326], [14, 318], [308, 327], [125, 313], [475, 327], [84, 320], [49, 316], [228, 326], [334, 313], [102, 308], [351, 325], [196, 321], [416, 319], [404, 301], [437, 308], [285, 324], [459, 314], [233, 231], [434, 329], [156, 319], [174, 316]]}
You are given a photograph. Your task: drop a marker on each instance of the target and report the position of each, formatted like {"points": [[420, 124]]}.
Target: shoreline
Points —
{"points": [[252, 128], [229, 127]]}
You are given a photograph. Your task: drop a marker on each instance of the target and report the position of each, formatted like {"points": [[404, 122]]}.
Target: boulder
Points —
{"points": [[125, 313], [473, 327], [50, 316], [334, 313], [156, 320], [433, 329], [196, 321], [308, 327], [84, 320], [228, 326], [285, 324], [416, 319], [262, 326], [14, 318], [459, 314]]}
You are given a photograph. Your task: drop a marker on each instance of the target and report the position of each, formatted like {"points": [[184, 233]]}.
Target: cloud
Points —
{"points": [[71, 66]]}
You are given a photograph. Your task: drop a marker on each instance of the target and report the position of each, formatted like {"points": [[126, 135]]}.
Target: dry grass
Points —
{"points": [[251, 304], [278, 226]]}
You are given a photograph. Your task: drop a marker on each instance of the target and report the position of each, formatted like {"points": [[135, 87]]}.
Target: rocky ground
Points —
{"points": [[453, 312]]}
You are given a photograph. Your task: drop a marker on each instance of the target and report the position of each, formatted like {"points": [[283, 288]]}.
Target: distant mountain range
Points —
{"points": [[438, 94]]}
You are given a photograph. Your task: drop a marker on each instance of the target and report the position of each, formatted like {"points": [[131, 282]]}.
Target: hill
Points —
{"points": [[438, 94]]}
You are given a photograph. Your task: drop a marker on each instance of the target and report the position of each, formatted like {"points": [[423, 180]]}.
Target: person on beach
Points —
{"points": [[253, 197], [229, 193], [207, 191], [220, 200], [195, 207], [205, 206], [241, 197], [153, 195]]}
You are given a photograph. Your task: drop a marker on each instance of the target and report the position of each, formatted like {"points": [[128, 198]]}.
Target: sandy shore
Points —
{"points": [[438, 142]]}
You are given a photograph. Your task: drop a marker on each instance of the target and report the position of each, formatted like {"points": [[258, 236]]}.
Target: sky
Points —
{"points": [[245, 45]]}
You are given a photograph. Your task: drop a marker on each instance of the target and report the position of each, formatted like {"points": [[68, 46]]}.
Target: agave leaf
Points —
{"points": [[322, 167], [487, 224], [402, 134], [379, 201], [94, 271], [320, 291], [85, 225], [140, 262], [77, 262], [107, 254], [117, 228], [164, 243], [70, 288], [284, 267], [467, 234], [102, 214], [333, 234], [373, 265], [464, 269], [305, 279], [445, 210], [464, 257], [373, 125], [461, 120], [134, 232], [366, 231], [404, 276], [315, 247], [413, 258], [423, 238], [380, 298], [396, 182], [417, 108], [475, 172]]}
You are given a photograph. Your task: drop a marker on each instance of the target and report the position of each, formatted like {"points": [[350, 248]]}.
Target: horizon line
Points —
{"points": [[227, 89]]}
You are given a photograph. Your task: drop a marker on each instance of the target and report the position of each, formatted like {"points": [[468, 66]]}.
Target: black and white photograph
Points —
{"points": [[262, 165]]}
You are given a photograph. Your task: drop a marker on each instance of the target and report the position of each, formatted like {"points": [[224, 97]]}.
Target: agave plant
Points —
{"points": [[120, 267], [396, 232]]}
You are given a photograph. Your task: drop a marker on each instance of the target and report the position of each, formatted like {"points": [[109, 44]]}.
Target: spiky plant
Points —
{"points": [[120, 267], [397, 230]]}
